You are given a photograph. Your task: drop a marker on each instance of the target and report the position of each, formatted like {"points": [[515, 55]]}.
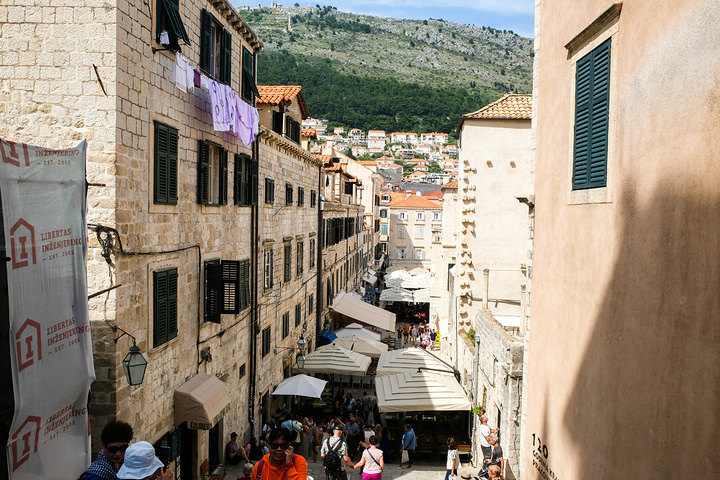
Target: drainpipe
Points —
{"points": [[318, 260], [486, 275], [457, 333], [254, 317], [522, 310], [475, 396]]}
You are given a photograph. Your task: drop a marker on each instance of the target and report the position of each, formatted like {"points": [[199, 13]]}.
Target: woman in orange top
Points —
{"points": [[282, 463]]}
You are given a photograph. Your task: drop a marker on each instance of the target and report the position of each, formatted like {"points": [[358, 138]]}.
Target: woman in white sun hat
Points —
{"points": [[142, 464]]}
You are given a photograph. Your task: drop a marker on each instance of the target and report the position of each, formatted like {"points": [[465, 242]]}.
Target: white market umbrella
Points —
{"points": [[408, 360], [301, 385], [366, 346], [334, 359], [420, 392], [355, 329]]}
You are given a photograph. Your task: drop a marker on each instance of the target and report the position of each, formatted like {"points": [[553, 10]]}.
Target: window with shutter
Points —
{"points": [[212, 173], [301, 197], [300, 259], [288, 194], [213, 291], [168, 20], [277, 121], [166, 162], [164, 306], [249, 89], [215, 48], [298, 314], [592, 101], [312, 253], [285, 325], [243, 180], [244, 284], [268, 268], [311, 303], [287, 261], [313, 198], [265, 341], [269, 190]]}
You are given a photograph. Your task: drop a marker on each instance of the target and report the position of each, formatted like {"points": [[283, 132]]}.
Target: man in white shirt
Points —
{"points": [[485, 432]]}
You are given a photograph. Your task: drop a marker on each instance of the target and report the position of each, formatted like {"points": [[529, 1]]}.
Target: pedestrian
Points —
{"points": [[317, 435], [453, 460], [141, 464], [385, 443], [234, 454], [338, 447], [433, 337], [372, 459], [485, 432], [305, 438], [496, 457], [409, 444], [365, 402], [353, 435], [494, 473], [282, 463], [414, 333], [115, 438]]}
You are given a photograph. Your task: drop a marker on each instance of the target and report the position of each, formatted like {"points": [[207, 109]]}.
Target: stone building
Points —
{"points": [[482, 287], [623, 347], [414, 229], [208, 240]]}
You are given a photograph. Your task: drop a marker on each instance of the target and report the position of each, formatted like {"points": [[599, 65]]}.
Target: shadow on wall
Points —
{"points": [[647, 397]]}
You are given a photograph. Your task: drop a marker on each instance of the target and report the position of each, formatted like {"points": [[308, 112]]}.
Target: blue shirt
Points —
{"points": [[408, 440]]}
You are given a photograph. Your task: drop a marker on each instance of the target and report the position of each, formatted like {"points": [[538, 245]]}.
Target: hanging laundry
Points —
{"points": [[183, 73], [204, 82], [164, 38], [245, 122], [196, 78], [217, 102]]}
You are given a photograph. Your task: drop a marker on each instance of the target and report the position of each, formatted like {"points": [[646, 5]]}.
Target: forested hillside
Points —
{"points": [[381, 73]]}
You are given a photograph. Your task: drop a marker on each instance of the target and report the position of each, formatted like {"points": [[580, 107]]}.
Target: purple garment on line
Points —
{"points": [[196, 78]]}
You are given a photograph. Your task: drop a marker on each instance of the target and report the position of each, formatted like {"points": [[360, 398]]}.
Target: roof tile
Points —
{"points": [[512, 106]]}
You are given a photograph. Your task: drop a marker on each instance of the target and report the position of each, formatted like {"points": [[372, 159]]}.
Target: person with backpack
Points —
{"points": [[282, 463], [372, 458], [335, 456]]}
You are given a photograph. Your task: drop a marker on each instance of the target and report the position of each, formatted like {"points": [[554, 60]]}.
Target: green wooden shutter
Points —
{"points": [[203, 172], [160, 317], [592, 95], [244, 284], [230, 286], [237, 188], [287, 263], [171, 8], [255, 179], [175, 442], [165, 306], [206, 31], [161, 183], [213, 292], [249, 87], [223, 177], [172, 171], [226, 59]]}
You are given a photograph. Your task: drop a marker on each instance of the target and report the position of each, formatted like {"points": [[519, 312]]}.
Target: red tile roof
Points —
{"points": [[281, 95], [415, 201], [453, 184], [309, 132], [512, 106], [436, 194]]}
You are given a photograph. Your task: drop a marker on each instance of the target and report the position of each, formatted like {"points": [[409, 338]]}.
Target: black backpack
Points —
{"points": [[332, 461]]}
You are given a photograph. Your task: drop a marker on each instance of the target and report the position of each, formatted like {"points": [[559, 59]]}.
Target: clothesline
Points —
{"points": [[229, 111]]}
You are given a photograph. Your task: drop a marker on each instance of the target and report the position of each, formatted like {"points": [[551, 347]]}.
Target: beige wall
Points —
{"points": [[624, 362]]}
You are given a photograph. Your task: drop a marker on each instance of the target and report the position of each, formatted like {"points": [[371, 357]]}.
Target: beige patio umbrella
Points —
{"points": [[365, 346], [420, 392], [335, 359], [408, 360]]}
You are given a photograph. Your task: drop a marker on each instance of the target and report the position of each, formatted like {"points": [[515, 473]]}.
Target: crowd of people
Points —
{"points": [[419, 335], [284, 448]]}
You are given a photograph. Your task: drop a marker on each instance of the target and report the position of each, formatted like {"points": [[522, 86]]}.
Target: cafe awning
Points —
{"points": [[334, 359], [420, 392], [362, 312], [396, 294], [371, 279], [409, 360], [355, 329], [365, 346], [201, 401]]}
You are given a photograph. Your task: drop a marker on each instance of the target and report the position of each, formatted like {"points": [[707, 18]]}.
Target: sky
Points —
{"points": [[515, 15]]}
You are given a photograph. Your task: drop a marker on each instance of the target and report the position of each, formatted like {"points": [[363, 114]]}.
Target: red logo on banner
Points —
{"points": [[12, 156], [28, 344], [22, 244], [25, 441]]}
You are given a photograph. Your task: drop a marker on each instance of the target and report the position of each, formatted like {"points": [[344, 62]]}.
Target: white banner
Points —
{"points": [[43, 207]]}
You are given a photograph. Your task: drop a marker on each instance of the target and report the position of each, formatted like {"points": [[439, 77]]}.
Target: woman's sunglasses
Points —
{"points": [[113, 449]]}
